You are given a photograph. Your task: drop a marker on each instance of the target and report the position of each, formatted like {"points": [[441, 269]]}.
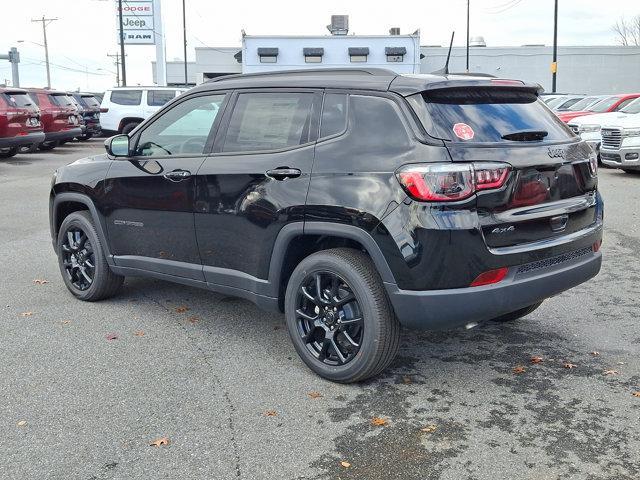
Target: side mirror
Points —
{"points": [[117, 146]]}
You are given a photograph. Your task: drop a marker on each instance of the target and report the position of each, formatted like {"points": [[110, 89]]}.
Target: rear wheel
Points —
{"points": [[82, 261], [339, 317], [129, 127], [8, 152], [523, 312], [85, 137]]}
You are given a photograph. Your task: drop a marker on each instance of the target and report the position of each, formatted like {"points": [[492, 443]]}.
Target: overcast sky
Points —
{"points": [[86, 30]]}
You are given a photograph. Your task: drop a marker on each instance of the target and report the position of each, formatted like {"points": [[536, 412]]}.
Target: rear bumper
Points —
{"points": [[63, 134], [523, 286], [22, 140]]}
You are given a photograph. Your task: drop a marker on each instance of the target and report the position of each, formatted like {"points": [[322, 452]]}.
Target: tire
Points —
{"points": [[126, 130], [523, 312], [29, 148], [630, 170], [8, 152], [370, 316], [104, 282], [45, 146], [84, 138]]}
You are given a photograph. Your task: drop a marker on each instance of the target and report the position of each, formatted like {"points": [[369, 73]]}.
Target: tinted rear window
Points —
{"points": [[18, 99], [126, 97], [90, 101], [61, 100], [486, 115]]}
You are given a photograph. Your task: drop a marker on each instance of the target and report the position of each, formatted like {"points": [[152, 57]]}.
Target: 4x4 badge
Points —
{"points": [[555, 152]]}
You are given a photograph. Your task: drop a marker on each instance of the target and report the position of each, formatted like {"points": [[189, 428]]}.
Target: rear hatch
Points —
{"points": [[66, 116], [23, 115], [550, 188]]}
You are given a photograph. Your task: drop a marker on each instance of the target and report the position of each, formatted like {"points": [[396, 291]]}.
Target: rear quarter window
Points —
{"points": [[490, 113], [157, 98], [126, 97]]}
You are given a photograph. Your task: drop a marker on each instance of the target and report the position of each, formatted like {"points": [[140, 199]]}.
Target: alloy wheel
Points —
{"points": [[78, 258]]}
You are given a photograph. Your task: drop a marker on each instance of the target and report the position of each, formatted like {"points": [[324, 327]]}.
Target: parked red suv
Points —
{"points": [[19, 121], [608, 104], [59, 117]]}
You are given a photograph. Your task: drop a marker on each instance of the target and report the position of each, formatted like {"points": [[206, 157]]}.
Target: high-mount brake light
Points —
{"points": [[448, 182], [505, 81]]}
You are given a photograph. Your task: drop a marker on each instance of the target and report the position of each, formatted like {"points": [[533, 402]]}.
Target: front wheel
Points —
{"points": [[339, 317], [523, 312], [82, 260]]}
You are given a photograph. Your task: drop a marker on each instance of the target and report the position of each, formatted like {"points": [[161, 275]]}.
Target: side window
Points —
{"points": [[334, 114], [268, 121], [157, 98], [126, 97], [183, 129], [375, 125], [623, 104]]}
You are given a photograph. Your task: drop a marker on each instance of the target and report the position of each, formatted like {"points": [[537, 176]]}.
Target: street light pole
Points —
{"points": [[124, 68], [184, 35], [468, 35], [554, 65], [45, 22]]}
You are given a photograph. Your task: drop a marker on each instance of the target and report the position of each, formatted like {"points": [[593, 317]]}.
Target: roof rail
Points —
{"points": [[310, 71]]}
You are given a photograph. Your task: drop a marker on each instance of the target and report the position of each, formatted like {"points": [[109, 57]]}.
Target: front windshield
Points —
{"points": [[633, 107], [583, 104], [603, 105]]}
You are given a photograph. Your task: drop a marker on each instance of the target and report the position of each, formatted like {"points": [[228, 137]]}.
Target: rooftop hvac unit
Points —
{"points": [[477, 42], [339, 25]]}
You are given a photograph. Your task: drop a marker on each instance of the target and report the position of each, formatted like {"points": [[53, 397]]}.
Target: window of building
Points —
{"points": [[268, 55], [395, 54], [358, 54], [126, 97], [334, 114], [313, 55], [184, 129], [269, 121], [157, 98]]}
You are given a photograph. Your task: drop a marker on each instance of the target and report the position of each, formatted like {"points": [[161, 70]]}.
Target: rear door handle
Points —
{"points": [[177, 175], [281, 173]]}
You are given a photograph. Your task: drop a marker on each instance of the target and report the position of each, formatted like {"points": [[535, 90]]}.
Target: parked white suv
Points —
{"points": [[123, 108], [621, 143]]}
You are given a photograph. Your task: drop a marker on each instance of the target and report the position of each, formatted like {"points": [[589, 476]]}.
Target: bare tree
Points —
{"points": [[627, 31]]}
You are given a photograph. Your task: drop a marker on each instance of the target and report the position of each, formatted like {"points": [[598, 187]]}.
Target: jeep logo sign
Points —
{"points": [[137, 22], [556, 152]]}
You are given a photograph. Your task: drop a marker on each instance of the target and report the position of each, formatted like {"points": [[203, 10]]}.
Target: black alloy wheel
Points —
{"points": [[329, 318], [78, 258]]}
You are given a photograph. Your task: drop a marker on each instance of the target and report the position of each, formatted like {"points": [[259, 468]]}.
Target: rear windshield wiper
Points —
{"points": [[525, 135]]}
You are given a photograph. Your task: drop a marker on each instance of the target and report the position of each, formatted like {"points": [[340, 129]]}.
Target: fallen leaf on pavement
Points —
{"points": [[379, 422], [536, 359], [636, 394], [429, 428], [193, 319], [270, 413], [26, 314], [22, 423], [40, 281], [610, 372], [182, 309], [407, 379], [519, 369], [345, 464], [111, 336], [595, 354], [139, 333], [314, 394], [569, 365], [65, 322], [159, 441]]}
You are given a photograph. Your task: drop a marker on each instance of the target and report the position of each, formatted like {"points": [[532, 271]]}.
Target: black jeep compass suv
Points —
{"points": [[355, 201]]}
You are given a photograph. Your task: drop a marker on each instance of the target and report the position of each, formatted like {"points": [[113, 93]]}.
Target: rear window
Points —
{"points": [[157, 98], [61, 100], [90, 101], [484, 115], [18, 99], [126, 97]]}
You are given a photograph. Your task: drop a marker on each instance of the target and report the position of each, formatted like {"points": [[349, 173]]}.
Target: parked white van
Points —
{"points": [[123, 108]]}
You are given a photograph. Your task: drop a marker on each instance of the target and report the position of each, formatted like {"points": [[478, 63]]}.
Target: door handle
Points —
{"points": [[281, 173], [177, 175]]}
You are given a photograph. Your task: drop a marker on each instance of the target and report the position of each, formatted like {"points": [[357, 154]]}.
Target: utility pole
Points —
{"points": [[554, 65], [184, 35], [468, 35], [124, 67], [45, 23], [117, 64]]}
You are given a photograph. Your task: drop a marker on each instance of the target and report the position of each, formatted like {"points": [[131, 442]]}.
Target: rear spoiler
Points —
{"points": [[407, 85]]}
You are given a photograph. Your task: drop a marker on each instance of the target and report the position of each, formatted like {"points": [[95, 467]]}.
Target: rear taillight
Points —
{"points": [[490, 277], [448, 182]]}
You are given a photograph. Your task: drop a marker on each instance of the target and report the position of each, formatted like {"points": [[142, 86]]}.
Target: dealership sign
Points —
{"points": [[137, 22]]}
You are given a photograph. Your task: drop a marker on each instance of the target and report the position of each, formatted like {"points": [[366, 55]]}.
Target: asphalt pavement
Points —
{"points": [[87, 387]]}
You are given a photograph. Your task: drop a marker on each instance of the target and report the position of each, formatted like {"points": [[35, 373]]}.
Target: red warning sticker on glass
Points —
{"points": [[463, 131]]}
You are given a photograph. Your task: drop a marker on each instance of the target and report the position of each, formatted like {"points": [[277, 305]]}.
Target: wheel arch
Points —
{"points": [[66, 203], [127, 120]]}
